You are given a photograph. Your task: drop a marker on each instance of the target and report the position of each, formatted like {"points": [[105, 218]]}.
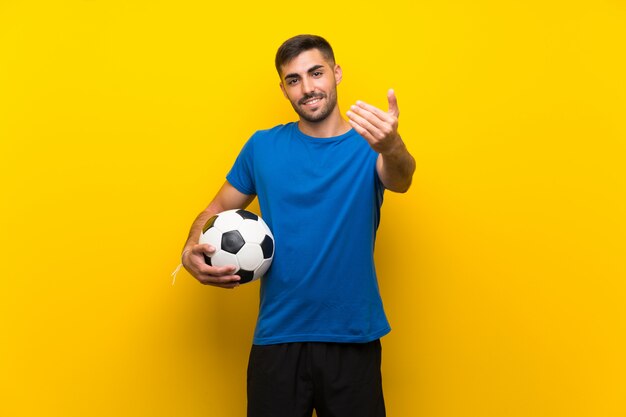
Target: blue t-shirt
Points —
{"points": [[321, 198]]}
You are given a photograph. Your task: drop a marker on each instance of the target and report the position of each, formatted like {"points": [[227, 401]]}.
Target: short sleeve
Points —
{"points": [[241, 175]]}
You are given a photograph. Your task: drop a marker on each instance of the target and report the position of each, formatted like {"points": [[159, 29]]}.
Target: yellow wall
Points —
{"points": [[503, 269]]}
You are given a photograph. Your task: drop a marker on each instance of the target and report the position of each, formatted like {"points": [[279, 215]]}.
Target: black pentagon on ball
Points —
{"points": [[209, 224], [207, 259], [246, 276], [267, 246], [247, 215], [232, 241]]}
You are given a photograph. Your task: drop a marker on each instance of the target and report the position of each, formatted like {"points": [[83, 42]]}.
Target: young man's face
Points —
{"points": [[310, 84]]}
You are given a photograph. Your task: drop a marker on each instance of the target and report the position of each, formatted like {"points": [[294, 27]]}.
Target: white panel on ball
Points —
{"points": [[213, 237], [223, 258], [262, 269], [228, 220], [252, 231], [266, 228], [250, 256]]}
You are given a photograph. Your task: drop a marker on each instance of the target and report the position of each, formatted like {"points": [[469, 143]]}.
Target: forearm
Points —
{"points": [[396, 167], [196, 227]]}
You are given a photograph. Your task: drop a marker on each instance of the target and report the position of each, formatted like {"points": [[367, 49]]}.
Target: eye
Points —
{"points": [[317, 74], [292, 81]]}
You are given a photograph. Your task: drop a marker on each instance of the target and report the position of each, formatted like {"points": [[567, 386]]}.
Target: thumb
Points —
{"points": [[393, 103], [203, 249]]}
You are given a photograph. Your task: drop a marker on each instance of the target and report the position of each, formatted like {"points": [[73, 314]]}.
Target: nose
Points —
{"points": [[307, 86]]}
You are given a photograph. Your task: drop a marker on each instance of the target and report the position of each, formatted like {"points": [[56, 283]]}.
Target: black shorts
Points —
{"points": [[335, 379]]}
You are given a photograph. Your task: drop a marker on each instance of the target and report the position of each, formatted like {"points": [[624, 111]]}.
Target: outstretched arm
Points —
{"points": [[395, 165]]}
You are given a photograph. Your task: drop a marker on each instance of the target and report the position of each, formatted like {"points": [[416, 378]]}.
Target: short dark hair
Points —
{"points": [[293, 47]]}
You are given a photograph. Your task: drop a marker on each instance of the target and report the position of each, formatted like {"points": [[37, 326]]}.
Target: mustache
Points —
{"points": [[310, 96]]}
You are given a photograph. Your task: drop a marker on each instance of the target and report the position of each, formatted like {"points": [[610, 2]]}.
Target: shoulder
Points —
{"points": [[264, 140], [274, 132]]}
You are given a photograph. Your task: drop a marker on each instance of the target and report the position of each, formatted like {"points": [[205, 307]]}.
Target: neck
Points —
{"points": [[333, 125]]}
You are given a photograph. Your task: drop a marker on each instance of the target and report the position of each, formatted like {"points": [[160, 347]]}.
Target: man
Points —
{"points": [[320, 184]]}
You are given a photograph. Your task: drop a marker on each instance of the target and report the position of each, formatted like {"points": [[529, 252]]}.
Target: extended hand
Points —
{"points": [[379, 128]]}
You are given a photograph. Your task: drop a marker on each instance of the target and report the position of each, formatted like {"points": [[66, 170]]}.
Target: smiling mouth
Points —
{"points": [[311, 101]]}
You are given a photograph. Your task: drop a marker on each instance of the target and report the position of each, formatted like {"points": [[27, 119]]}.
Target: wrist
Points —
{"points": [[182, 255], [394, 149], [182, 263]]}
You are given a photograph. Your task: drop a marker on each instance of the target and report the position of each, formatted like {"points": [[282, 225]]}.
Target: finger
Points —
{"points": [[384, 116], [219, 280], [393, 103], [228, 285], [218, 271], [371, 130], [202, 249], [370, 117], [362, 131]]}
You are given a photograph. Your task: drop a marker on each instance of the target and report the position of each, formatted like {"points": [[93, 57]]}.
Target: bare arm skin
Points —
{"points": [[227, 198], [395, 165], [395, 168]]}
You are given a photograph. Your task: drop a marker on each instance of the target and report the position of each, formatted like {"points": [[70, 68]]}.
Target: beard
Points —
{"points": [[319, 114]]}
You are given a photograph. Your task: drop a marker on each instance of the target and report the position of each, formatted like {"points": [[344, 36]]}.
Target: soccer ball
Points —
{"points": [[240, 238]]}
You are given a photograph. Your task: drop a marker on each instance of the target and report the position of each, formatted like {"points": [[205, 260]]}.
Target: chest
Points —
{"points": [[297, 168]]}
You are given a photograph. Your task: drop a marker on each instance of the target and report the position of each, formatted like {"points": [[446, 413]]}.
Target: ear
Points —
{"points": [[338, 74], [282, 88]]}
